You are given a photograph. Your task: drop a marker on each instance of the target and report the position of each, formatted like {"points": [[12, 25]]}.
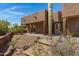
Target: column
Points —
{"points": [[27, 28], [30, 28], [44, 27], [64, 26]]}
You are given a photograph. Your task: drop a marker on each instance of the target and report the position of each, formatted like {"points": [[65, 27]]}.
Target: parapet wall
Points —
{"points": [[70, 9]]}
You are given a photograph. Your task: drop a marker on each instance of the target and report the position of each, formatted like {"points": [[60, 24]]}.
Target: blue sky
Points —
{"points": [[14, 11]]}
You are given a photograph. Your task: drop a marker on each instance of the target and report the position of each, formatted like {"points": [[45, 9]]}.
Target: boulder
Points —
{"points": [[5, 38]]}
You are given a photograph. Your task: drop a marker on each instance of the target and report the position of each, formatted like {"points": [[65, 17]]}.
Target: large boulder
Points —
{"points": [[5, 38]]}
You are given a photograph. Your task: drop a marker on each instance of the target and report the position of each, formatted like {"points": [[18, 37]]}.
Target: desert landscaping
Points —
{"points": [[41, 45], [41, 34]]}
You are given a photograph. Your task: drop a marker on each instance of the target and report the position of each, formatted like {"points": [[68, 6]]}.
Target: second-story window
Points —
{"points": [[24, 20], [35, 17]]}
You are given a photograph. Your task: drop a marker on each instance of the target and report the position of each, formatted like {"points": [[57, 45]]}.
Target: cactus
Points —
{"points": [[49, 19]]}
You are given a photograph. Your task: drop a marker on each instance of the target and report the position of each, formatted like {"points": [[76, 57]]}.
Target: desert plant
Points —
{"points": [[50, 19], [16, 29], [13, 43], [4, 26], [66, 48], [62, 46]]}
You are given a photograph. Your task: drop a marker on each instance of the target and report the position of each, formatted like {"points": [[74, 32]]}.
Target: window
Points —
{"points": [[35, 17], [56, 26], [23, 20], [34, 28]]}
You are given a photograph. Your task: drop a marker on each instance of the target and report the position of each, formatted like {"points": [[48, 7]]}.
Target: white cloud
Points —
{"points": [[11, 14], [14, 12], [10, 11], [11, 8]]}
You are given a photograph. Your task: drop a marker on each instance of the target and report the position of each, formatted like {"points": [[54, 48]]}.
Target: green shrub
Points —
{"points": [[2, 32], [16, 29], [4, 27]]}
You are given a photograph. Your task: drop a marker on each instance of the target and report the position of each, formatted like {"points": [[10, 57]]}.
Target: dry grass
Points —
{"points": [[66, 47]]}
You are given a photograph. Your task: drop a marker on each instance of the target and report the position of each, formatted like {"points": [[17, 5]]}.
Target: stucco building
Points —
{"points": [[70, 15], [38, 22], [65, 21]]}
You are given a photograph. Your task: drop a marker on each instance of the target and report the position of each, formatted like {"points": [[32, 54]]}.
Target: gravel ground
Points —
{"points": [[27, 40]]}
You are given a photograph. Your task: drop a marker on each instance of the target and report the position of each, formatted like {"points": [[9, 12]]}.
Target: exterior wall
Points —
{"points": [[39, 27], [41, 17], [57, 16], [36, 17], [70, 9], [73, 26], [41, 22]]}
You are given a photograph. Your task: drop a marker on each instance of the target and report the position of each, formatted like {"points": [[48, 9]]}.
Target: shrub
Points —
{"points": [[2, 32], [4, 27], [16, 29], [68, 47]]}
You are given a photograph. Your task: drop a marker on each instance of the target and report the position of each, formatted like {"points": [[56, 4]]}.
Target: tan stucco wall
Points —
{"points": [[72, 24], [57, 16], [70, 9], [39, 27], [40, 16]]}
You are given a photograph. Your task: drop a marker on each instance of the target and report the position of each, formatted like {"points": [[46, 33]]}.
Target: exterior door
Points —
{"points": [[34, 29], [57, 28]]}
